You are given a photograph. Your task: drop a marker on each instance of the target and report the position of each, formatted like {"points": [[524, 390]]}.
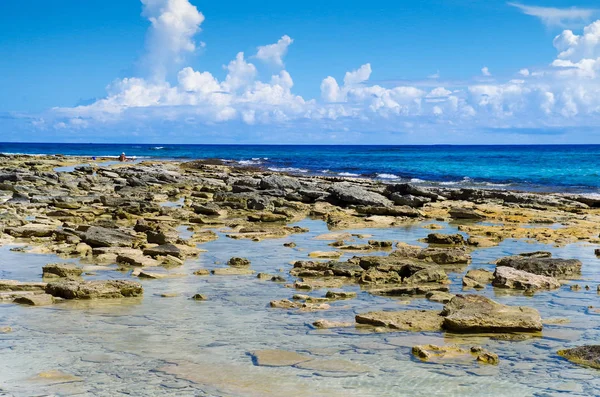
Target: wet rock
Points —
{"points": [[5, 330], [477, 278], [232, 271], [97, 236], [488, 358], [325, 254], [289, 245], [210, 209], [475, 313], [277, 358], [445, 239], [199, 297], [326, 324], [404, 320], [409, 200], [31, 230], [445, 256], [552, 267], [178, 251], [347, 194], [389, 211], [439, 297], [285, 304], [170, 261], [588, 355], [61, 270], [97, 289], [202, 272], [333, 295], [35, 300], [508, 277], [13, 285], [279, 182], [238, 262], [410, 290]]}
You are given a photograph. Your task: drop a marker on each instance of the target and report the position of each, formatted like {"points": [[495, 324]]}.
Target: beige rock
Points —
{"points": [[325, 254], [508, 277], [325, 324], [232, 271], [35, 300], [404, 320]]}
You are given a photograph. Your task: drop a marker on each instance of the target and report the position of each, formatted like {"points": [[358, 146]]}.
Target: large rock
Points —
{"points": [[347, 193], [97, 236], [465, 214], [97, 289], [31, 230], [552, 267], [508, 277], [446, 239], [404, 320], [35, 300], [14, 285], [279, 182], [61, 270], [478, 314], [584, 355]]}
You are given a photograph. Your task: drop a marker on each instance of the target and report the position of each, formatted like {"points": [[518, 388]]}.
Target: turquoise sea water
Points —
{"points": [[568, 168]]}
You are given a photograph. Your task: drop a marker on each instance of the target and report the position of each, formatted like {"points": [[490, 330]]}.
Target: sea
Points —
{"points": [[544, 168]]}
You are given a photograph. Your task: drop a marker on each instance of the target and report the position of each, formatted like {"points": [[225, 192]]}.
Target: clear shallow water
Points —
{"points": [[124, 346], [572, 168]]}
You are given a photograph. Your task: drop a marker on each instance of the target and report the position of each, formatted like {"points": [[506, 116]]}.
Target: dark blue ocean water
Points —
{"points": [[569, 168]]}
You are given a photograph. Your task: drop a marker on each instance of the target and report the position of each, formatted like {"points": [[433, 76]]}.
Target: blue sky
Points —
{"points": [[431, 71]]}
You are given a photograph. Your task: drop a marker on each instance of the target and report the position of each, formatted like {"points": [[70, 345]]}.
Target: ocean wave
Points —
{"points": [[249, 162], [416, 180], [387, 176], [348, 174], [287, 169], [157, 148]]}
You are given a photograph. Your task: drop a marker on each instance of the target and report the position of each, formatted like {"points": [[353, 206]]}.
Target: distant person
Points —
{"points": [[122, 157]]}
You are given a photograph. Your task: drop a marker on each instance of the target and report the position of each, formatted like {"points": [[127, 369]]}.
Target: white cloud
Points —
{"points": [[170, 37], [274, 53], [485, 71], [561, 17]]}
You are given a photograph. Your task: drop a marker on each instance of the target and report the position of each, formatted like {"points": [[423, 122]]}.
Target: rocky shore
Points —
{"points": [[130, 216]]}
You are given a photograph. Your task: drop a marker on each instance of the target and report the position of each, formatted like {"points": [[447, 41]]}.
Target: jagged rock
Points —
{"points": [[210, 209], [136, 258], [31, 230], [446, 239], [552, 267], [588, 355], [333, 295], [508, 277], [97, 289], [178, 251], [391, 211], [61, 270], [409, 200], [238, 262], [404, 320], [475, 313]]}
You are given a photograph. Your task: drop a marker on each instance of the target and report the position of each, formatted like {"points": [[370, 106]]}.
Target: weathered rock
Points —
{"points": [[326, 324], [202, 272], [136, 258], [439, 297], [588, 355], [277, 358], [466, 214], [508, 277], [232, 271], [475, 313], [285, 304], [97, 236], [178, 251], [347, 193], [325, 254], [446, 239], [333, 295], [61, 270], [404, 320], [35, 300], [13, 285], [279, 182], [552, 267], [31, 230], [97, 289], [199, 297], [238, 262], [477, 278]]}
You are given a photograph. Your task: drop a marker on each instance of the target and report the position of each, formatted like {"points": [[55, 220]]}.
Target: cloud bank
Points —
{"points": [[562, 94]]}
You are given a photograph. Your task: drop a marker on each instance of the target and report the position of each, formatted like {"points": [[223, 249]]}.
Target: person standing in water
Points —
{"points": [[122, 157]]}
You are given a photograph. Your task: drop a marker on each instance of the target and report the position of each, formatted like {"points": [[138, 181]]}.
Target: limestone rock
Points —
{"points": [[61, 270], [35, 300], [508, 277], [404, 320], [552, 267], [588, 355], [97, 236], [97, 289]]}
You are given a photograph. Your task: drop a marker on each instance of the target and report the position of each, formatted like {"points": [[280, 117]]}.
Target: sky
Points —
{"points": [[315, 72]]}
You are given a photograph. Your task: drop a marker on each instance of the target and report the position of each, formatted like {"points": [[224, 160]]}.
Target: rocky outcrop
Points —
{"points": [[476, 313], [97, 289], [508, 277], [348, 194]]}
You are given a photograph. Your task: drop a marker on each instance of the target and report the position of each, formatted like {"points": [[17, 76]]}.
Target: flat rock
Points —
{"points": [[508, 277], [14, 285], [97, 236], [552, 267], [277, 358], [325, 254], [232, 271], [326, 324], [61, 270], [403, 320], [97, 289], [478, 314], [35, 300]]}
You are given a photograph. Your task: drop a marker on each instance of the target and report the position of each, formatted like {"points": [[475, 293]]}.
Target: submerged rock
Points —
{"points": [[97, 289], [403, 320], [476, 314], [238, 262], [326, 324], [588, 355], [508, 277], [277, 358]]}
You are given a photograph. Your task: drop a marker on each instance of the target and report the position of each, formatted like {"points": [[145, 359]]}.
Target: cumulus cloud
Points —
{"points": [[566, 92], [274, 53], [561, 17], [174, 23]]}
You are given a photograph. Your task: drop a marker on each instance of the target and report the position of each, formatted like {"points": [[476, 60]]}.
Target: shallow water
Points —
{"points": [[177, 346]]}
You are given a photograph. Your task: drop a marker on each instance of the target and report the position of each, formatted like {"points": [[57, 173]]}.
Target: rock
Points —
{"points": [[446, 239], [289, 245], [488, 358], [445, 256], [390, 211], [279, 182], [326, 324], [285, 304], [439, 297], [277, 358], [552, 267], [325, 254], [199, 297], [477, 278], [202, 272], [13, 285], [5, 330], [347, 193], [31, 230], [465, 213], [136, 258], [238, 262], [232, 271], [508, 277], [340, 295], [404, 320], [97, 289], [178, 251], [210, 209], [171, 261], [476, 314], [61, 270], [97, 236], [35, 300], [588, 355], [409, 200]]}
